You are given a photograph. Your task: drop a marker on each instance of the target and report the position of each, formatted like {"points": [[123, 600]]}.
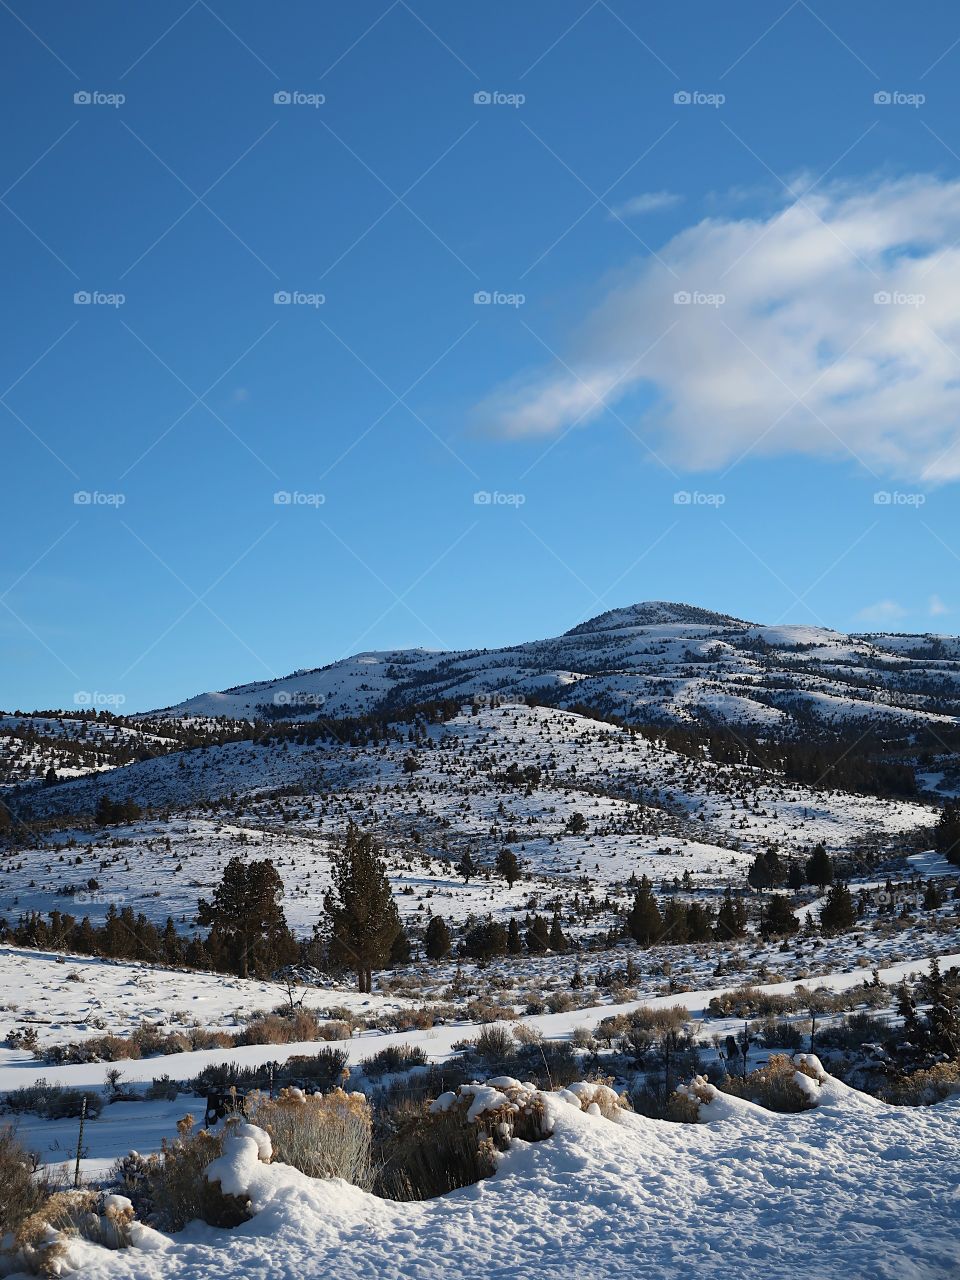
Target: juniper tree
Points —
{"points": [[558, 941], [644, 922], [731, 918], [778, 920], [838, 914], [508, 866], [819, 868], [437, 938], [467, 867], [361, 913], [248, 929]]}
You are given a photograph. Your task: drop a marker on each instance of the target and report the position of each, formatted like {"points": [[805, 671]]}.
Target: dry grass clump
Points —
{"points": [[41, 1244], [170, 1189], [924, 1088], [625, 1026], [285, 1028], [322, 1135], [774, 1085], [23, 1188]]}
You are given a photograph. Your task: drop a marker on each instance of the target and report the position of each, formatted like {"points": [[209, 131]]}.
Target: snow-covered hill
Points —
{"points": [[650, 662]]}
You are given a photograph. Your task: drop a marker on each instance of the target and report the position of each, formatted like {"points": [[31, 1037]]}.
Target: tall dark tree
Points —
{"points": [[766, 871], [644, 921], [731, 918], [558, 941], [361, 912], [508, 866], [947, 833], [514, 941], [538, 936], [246, 921], [436, 942], [467, 867], [819, 868], [838, 914], [778, 920], [576, 824]]}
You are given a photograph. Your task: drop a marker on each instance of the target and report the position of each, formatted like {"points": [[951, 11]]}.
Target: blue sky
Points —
{"points": [[783, 198]]}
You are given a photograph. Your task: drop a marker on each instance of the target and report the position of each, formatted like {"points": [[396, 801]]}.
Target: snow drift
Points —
{"points": [[851, 1188]]}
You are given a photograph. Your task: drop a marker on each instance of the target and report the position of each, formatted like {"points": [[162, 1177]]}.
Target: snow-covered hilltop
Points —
{"points": [[649, 662]]}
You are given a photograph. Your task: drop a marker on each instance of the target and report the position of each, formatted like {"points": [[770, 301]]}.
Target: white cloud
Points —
{"points": [[880, 381], [649, 202], [882, 611], [937, 607]]}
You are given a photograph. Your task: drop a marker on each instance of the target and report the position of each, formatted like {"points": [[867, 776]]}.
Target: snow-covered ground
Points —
{"points": [[852, 1188]]}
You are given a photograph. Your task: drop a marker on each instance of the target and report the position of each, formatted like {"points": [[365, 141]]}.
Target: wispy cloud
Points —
{"points": [[830, 327], [937, 607], [649, 202], [882, 611]]}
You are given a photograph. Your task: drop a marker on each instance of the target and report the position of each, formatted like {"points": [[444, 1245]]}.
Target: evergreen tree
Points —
{"points": [[838, 914], [538, 936], [576, 824], [795, 877], [514, 941], [437, 940], [486, 940], [644, 922], [558, 941], [246, 919], [361, 913], [508, 866], [674, 923], [731, 918], [819, 868], [699, 923], [467, 867], [766, 871], [778, 920], [947, 833]]}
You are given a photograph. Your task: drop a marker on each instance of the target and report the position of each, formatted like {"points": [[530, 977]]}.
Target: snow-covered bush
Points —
{"points": [[322, 1135], [171, 1188], [40, 1245]]}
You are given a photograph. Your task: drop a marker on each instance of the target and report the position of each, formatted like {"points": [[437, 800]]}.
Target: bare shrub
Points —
{"points": [[773, 1086], [322, 1135], [171, 1188], [22, 1191], [924, 1088]]}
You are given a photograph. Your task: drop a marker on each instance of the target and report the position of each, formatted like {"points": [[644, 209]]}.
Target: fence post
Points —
{"points": [[272, 1066], [83, 1116]]}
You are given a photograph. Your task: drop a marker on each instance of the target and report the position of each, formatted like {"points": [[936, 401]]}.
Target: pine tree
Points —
{"points": [[246, 919], [795, 877], [819, 868], [699, 923], [947, 833], [361, 913], [576, 824], [467, 867], [514, 941], [731, 918], [644, 922], [778, 920], [508, 866], [538, 936], [558, 941], [437, 939], [838, 914]]}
